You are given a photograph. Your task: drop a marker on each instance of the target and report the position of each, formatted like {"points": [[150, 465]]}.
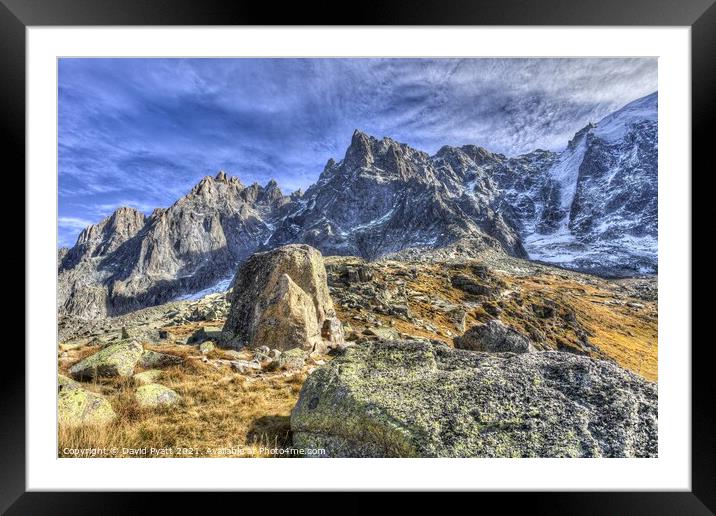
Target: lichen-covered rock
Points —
{"points": [[63, 382], [206, 347], [280, 299], [494, 337], [417, 399], [290, 360], [155, 395], [152, 359], [77, 406], [147, 377], [114, 360], [383, 333]]}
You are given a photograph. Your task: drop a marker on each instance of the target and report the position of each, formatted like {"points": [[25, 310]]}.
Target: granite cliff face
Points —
{"points": [[591, 207], [128, 261], [384, 197], [600, 211]]}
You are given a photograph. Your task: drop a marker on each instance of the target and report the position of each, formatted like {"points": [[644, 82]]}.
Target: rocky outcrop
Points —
{"points": [[280, 299], [114, 360], [416, 399], [494, 337]]}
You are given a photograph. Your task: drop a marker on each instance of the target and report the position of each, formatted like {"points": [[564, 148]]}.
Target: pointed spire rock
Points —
{"points": [[359, 153], [221, 176]]}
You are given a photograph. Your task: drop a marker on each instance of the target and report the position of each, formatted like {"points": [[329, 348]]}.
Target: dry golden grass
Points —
{"points": [[628, 335], [220, 409]]}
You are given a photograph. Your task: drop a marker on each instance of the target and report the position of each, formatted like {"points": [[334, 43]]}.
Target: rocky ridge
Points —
{"points": [[591, 207]]}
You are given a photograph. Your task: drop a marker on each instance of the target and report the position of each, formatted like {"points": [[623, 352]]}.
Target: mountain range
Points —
{"points": [[591, 207]]}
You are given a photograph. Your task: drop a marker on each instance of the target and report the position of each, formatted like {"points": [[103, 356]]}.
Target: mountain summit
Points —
{"points": [[592, 207]]}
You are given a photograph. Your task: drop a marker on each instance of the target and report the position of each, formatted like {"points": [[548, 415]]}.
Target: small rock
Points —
{"points": [[494, 337], [154, 395], [152, 359], [147, 377], [206, 347], [244, 366], [205, 333], [382, 333], [290, 360]]}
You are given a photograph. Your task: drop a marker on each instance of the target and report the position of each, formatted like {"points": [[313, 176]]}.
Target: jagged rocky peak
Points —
{"points": [[591, 207], [271, 192], [385, 156], [107, 235]]}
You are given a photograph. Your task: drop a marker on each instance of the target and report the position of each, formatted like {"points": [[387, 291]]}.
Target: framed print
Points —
{"points": [[441, 250]]}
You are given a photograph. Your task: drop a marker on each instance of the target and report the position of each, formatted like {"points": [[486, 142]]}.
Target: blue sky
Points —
{"points": [[141, 132]]}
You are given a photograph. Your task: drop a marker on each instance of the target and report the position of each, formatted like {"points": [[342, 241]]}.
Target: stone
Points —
{"points": [[63, 382], [79, 407], [205, 333], [290, 360], [494, 337], [457, 317], [114, 360], [245, 366], [280, 299], [151, 359], [467, 284], [147, 377], [156, 395], [206, 347], [418, 399], [382, 333]]}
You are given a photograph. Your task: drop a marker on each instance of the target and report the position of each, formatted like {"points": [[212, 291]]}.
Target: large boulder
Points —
{"points": [[280, 299], [418, 399], [78, 407], [494, 337], [115, 360]]}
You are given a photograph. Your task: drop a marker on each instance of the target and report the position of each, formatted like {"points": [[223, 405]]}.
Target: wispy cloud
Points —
{"points": [[143, 131]]}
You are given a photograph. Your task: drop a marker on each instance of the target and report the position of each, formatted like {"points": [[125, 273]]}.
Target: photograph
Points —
{"points": [[353, 257]]}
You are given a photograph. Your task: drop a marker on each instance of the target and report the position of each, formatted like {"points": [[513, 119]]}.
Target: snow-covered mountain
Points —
{"points": [[591, 207], [601, 210]]}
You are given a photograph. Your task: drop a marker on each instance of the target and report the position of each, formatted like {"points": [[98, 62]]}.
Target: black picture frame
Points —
{"points": [[17, 15]]}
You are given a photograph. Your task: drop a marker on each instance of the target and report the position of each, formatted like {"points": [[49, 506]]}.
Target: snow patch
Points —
{"points": [[220, 286]]}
